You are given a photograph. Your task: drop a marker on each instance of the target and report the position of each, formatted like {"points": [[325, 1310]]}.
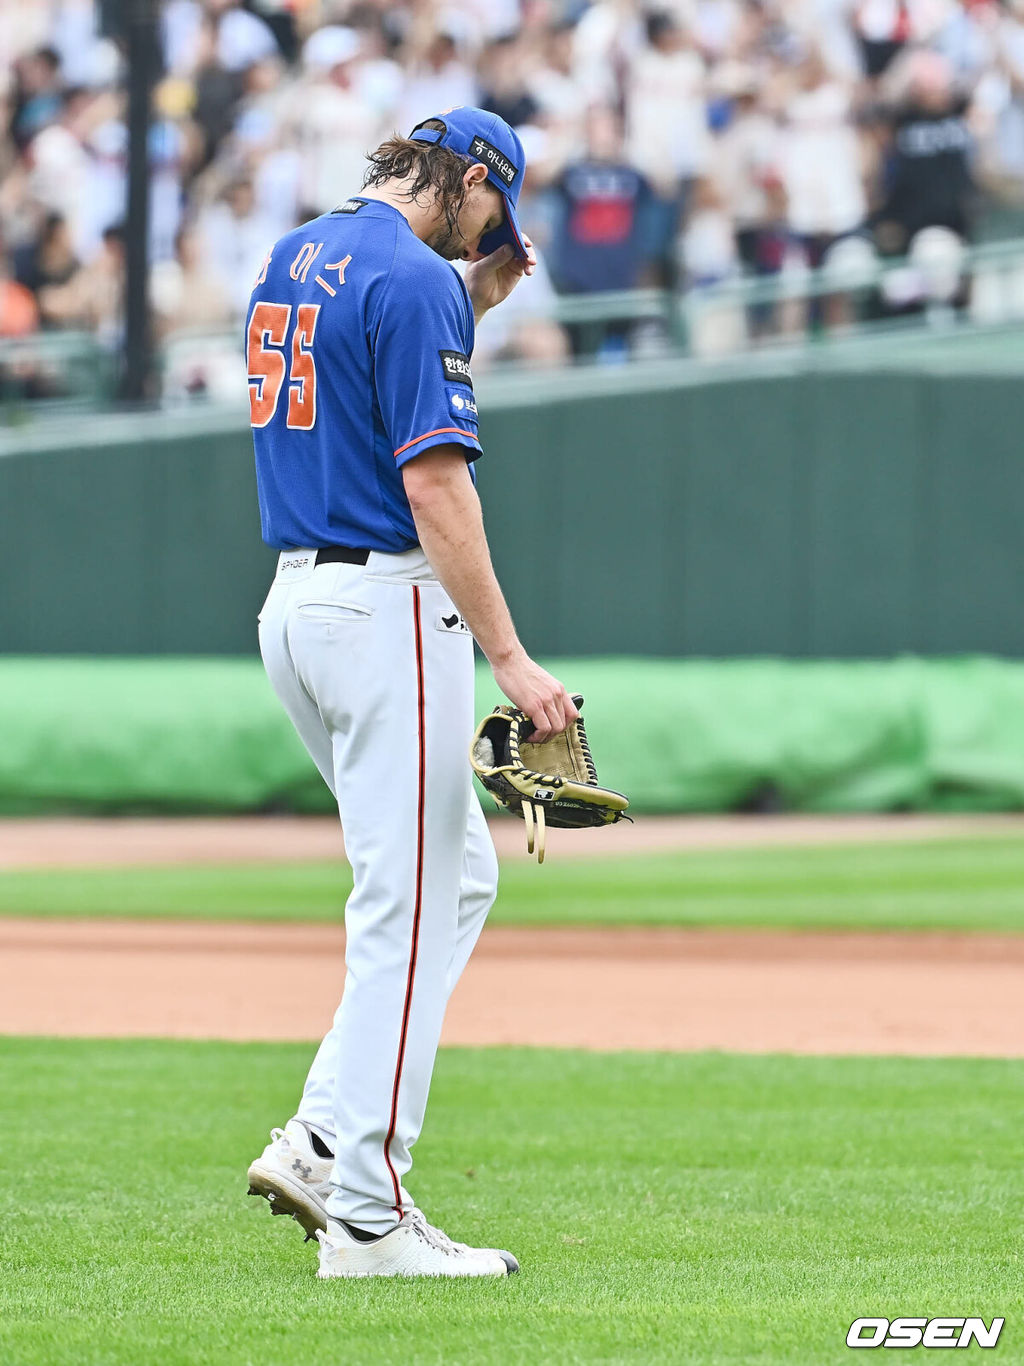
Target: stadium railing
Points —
{"points": [[854, 296], [938, 286], [54, 371]]}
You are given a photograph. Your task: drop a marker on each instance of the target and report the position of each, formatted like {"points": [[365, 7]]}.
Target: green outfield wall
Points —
{"points": [[632, 511], [207, 735]]}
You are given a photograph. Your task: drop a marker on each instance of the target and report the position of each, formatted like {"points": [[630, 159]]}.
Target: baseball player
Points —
{"points": [[359, 338]]}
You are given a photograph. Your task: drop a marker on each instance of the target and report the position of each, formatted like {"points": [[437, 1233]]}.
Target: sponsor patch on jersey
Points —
{"points": [[463, 405], [493, 159], [457, 368], [351, 206], [452, 622]]}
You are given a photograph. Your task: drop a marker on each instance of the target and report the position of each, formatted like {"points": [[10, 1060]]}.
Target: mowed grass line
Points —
{"points": [[955, 884], [691, 1208]]}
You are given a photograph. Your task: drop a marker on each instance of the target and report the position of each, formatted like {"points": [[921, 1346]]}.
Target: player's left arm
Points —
{"points": [[494, 277]]}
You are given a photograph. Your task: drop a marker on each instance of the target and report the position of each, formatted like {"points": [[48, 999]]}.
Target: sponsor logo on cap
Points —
{"points": [[494, 160]]}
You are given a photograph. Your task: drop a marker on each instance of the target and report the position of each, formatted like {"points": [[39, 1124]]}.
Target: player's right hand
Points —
{"points": [[534, 691]]}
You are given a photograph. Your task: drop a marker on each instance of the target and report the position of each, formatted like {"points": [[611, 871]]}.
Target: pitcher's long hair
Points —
{"points": [[430, 166]]}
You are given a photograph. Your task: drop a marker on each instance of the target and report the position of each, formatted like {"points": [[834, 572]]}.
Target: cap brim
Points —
{"points": [[510, 232]]}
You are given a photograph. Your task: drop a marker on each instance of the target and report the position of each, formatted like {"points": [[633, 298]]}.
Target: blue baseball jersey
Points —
{"points": [[358, 342]]}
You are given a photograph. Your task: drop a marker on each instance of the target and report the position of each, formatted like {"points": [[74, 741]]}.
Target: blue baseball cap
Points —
{"points": [[486, 138]]}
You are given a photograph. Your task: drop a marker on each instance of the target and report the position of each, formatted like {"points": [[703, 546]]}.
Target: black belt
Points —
{"points": [[341, 554]]}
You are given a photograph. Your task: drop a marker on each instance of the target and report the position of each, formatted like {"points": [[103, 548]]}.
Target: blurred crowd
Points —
{"points": [[675, 144]]}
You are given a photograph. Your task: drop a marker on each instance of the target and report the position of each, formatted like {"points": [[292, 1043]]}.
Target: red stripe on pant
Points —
{"points": [[418, 902]]}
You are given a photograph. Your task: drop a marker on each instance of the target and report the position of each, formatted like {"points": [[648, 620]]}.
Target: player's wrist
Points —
{"points": [[506, 656], [481, 306]]}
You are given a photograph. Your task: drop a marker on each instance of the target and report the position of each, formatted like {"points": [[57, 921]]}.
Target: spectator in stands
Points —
{"points": [[800, 121], [21, 375], [221, 31], [708, 243], [717, 27], [264, 145], [437, 74], [218, 89], [559, 97], [747, 169], [707, 249], [89, 57], [747, 159], [883, 28], [57, 169], [92, 299], [607, 37], [770, 36], [504, 86], [379, 75], [174, 147], [38, 94], [49, 259], [928, 180], [189, 292], [667, 128], [19, 316], [962, 33], [667, 133], [335, 124], [493, 19], [235, 237], [1005, 160], [599, 242], [25, 373], [820, 160]]}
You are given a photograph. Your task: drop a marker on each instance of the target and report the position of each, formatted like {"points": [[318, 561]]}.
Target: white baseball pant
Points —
{"points": [[375, 669]]}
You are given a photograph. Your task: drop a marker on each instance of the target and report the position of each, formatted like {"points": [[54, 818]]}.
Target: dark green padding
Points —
{"points": [[196, 734], [651, 510]]}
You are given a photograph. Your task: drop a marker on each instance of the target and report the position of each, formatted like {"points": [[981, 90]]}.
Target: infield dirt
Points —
{"points": [[748, 991], [676, 989]]}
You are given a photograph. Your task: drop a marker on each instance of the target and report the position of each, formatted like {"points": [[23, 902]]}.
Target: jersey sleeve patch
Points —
{"points": [[456, 366], [463, 405]]}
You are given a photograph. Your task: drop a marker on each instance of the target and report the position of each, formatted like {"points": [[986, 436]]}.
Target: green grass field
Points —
{"points": [[701, 1209], [961, 884], [679, 1209]]}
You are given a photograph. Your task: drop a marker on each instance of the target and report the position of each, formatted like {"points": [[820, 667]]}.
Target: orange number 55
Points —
{"points": [[265, 350]]}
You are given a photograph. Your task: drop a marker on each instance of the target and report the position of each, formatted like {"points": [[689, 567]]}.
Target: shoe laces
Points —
{"points": [[280, 1139], [433, 1237]]}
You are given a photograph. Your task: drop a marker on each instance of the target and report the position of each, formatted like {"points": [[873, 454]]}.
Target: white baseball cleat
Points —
{"points": [[412, 1248], [293, 1177]]}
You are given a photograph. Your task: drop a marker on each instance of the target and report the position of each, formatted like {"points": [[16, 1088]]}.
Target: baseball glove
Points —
{"points": [[550, 784]]}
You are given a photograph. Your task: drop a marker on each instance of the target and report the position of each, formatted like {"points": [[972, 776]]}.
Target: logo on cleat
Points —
{"points": [[304, 1171]]}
